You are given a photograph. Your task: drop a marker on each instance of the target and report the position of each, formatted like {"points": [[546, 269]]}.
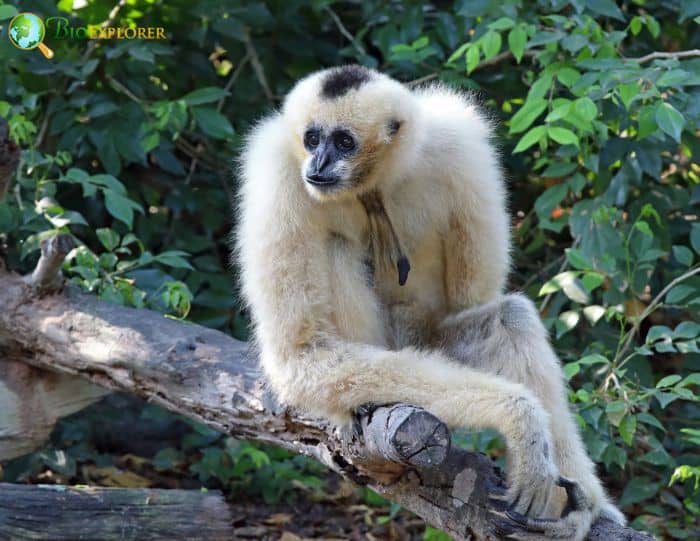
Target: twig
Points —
{"points": [[232, 80], [661, 54], [648, 310], [42, 132], [343, 30], [421, 80], [505, 55], [110, 19], [541, 273], [123, 89], [47, 274], [258, 68]]}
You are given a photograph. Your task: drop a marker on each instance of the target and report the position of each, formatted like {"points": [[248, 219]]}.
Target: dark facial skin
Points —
{"points": [[327, 147]]}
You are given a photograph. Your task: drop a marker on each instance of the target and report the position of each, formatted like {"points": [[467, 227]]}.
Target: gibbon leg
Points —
{"points": [[506, 337]]}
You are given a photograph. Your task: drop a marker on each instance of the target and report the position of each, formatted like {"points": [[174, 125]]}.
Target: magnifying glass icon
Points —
{"points": [[27, 31]]}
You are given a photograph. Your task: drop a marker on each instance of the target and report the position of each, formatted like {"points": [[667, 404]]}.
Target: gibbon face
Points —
{"points": [[347, 121]]}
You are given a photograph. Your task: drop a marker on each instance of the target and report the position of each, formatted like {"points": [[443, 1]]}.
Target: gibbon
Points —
{"points": [[374, 248]]}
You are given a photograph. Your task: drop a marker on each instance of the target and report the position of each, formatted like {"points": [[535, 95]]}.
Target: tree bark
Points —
{"points": [[59, 513], [401, 451]]}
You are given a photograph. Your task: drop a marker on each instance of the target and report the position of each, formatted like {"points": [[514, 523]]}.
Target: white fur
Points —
{"points": [[330, 341]]}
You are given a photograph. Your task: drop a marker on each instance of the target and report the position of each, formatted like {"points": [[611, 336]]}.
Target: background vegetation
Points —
{"points": [[129, 146]]}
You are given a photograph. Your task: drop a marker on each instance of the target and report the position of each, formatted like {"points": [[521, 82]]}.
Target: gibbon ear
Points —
{"points": [[393, 126]]}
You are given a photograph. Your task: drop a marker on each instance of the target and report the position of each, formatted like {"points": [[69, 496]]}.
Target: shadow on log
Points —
{"points": [[401, 451]]}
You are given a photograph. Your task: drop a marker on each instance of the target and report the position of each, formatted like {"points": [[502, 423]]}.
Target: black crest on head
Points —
{"points": [[340, 81]]}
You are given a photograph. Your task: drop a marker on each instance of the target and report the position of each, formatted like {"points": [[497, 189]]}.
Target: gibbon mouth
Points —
{"points": [[322, 181]]}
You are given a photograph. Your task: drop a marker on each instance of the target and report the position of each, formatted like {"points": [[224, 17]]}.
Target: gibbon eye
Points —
{"points": [[344, 141], [311, 139]]}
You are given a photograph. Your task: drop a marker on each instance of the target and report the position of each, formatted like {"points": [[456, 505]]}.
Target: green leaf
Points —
{"points": [[504, 23], [517, 38], [213, 123], [566, 281], [647, 122], [120, 207], [550, 198], [527, 114], [668, 381], [595, 358], [636, 25], [491, 44], [563, 136], [586, 108], [540, 87], [679, 293], [649, 419], [670, 120], [686, 329], [571, 369], [592, 280], [577, 259], [616, 411], [695, 237], [530, 138], [683, 255], [473, 56], [559, 112], [108, 181], [628, 426], [658, 332], [653, 26], [673, 77], [207, 94], [627, 93], [174, 258], [7, 11], [568, 76], [639, 488], [108, 238], [643, 227], [608, 8], [459, 52]]}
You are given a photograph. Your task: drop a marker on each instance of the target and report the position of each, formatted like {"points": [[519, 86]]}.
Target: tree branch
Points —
{"points": [[662, 54], [402, 451], [47, 274]]}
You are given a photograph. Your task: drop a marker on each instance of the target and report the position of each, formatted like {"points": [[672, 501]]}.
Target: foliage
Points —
{"points": [[128, 145]]}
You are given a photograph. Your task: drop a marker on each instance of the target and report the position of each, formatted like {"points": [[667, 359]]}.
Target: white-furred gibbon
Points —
{"points": [[374, 248]]}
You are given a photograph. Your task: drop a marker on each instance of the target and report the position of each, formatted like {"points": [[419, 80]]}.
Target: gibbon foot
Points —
{"points": [[573, 525]]}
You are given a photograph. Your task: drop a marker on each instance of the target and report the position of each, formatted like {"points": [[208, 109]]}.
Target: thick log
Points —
{"points": [[208, 376], [59, 513]]}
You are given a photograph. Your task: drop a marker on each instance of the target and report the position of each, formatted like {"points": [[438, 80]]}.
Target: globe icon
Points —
{"points": [[27, 31]]}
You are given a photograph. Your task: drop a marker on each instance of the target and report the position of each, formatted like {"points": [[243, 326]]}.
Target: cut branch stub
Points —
{"points": [[47, 274], [404, 434]]}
